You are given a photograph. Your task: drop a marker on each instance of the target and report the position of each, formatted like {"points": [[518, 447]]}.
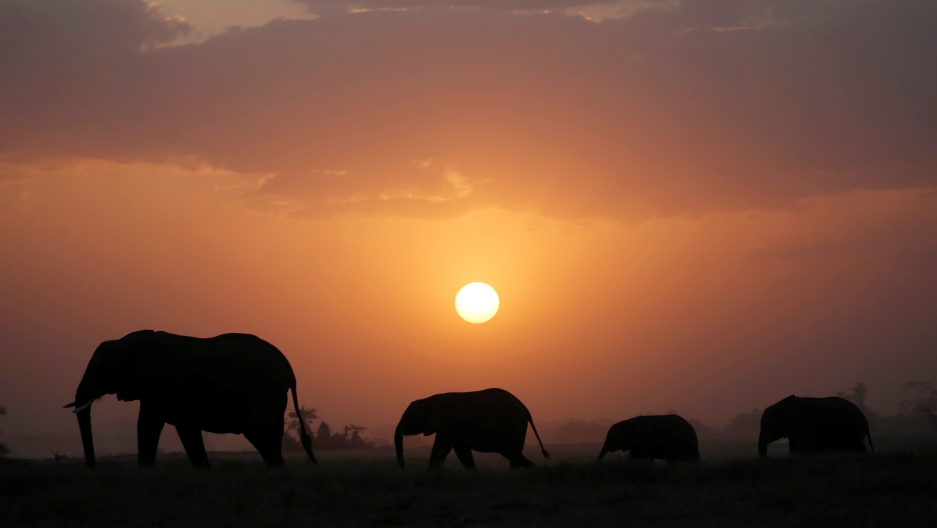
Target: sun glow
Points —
{"points": [[477, 302]]}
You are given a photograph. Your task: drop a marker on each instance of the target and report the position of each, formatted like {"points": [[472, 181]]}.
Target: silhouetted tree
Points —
{"points": [[4, 450], [922, 399], [355, 429], [309, 415], [324, 434], [858, 394], [356, 442], [326, 440]]}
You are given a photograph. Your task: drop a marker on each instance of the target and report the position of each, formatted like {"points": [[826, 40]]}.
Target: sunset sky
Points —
{"points": [[692, 205]]}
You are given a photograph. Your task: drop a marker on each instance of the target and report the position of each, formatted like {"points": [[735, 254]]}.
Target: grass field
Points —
{"points": [[347, 490]]}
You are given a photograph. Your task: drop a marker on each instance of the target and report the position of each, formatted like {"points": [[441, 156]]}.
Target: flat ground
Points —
{"points": [[896, 489]]}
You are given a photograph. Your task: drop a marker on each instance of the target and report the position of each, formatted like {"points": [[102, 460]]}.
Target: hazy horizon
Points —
{"points": [[700, 206]]}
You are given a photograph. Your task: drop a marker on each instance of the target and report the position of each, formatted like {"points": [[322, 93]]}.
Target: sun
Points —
{"points": [[477, 302]]}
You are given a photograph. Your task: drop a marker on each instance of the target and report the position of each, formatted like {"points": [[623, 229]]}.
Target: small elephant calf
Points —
{"points": [[668, 437], [487, 421]]}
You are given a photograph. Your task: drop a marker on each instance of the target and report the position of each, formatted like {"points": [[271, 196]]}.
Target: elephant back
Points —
{"points": [[490, 408], [832, 412], [668, 437], [231, 378]]}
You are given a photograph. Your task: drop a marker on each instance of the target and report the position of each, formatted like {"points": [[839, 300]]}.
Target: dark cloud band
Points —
{"points": [[705, 106]]}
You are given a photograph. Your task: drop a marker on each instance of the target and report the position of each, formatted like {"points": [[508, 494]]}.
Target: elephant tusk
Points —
{"points": [[69, 406], [83, 407]]}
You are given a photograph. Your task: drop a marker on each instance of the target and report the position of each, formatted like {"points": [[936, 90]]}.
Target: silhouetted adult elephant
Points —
{"points": [[488, 421], [814, 425], [232, 383], [667, 437]]}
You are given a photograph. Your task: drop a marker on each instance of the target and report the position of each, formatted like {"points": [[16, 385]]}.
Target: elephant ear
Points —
{"points": [[133, 346], [437, 417], [433, 422]]}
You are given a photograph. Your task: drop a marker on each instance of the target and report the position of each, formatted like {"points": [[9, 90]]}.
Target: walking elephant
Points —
{"points": [[488, 421], [815, 425], [232, 383], [668, 437]]}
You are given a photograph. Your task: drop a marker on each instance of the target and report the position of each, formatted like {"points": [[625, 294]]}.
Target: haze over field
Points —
{"points": [[696, 205]]}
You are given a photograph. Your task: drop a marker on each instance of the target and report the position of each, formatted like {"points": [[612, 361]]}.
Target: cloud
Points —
{"points": [[13, 175], [61, 34], [668, 111], [715, 14], [319, 6], [599, 11], [440, 190]]}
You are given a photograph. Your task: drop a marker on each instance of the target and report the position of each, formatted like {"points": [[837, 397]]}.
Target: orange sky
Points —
{"points": [[681, 207]]}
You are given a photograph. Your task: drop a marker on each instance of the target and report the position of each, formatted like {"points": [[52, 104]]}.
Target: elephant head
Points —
{"points": [[776, 423], [108, 372], [417, 419], [620, 437]]}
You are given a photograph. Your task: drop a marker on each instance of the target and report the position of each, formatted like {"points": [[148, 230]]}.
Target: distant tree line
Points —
{"points": [[323, 438], [918, 409], [742, 425], [918, 414]]}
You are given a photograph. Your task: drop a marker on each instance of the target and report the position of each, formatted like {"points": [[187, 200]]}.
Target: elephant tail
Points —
{"points": [[871, 447], [534, 427], [303, 435]]}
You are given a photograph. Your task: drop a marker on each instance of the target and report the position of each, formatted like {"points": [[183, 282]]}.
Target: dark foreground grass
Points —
{"points": [[877, 490]]}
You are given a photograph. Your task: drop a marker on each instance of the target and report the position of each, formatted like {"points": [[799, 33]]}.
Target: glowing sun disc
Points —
{"points": [[477, 302]]}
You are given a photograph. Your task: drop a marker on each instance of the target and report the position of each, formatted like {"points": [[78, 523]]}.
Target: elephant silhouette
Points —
{"points": [[668, 437], [487, 421], [232, 383], [815, 425]]}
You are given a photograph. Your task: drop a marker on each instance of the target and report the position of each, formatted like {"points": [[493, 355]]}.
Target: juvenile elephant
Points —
{"points": [[668, 437], [488, 421], [232, 383], [815, 425]]}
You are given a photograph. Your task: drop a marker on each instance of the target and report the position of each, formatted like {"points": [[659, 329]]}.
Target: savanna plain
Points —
{"points": [[729, 488]]}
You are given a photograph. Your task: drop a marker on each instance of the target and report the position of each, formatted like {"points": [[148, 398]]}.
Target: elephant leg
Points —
{"points": [[274, 435], [518, 460], [194, 447], [149, 427], [441, 448], [276, 444], [807, 439], [609, 446], [465, 456], [264, 441]]}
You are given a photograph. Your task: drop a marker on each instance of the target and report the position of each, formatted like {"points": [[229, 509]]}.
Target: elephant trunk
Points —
{"points": [[398, 445], [614, 441], [763, 442], [603, 452], [84, 425], [89, 389]]}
